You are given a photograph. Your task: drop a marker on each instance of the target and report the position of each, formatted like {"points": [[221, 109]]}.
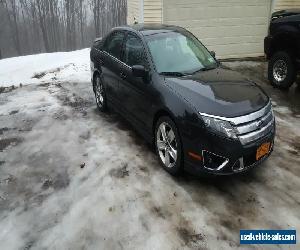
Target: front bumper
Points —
{"points": [[220, 155], [238, 158]]}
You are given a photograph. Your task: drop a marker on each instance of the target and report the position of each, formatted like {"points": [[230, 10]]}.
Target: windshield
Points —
{"points": [[177, 52]]}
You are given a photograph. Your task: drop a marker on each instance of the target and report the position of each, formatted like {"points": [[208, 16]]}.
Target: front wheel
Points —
{"points": [[100, 94], [168, 145], [281, 70]]}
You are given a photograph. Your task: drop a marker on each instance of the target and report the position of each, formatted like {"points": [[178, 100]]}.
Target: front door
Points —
{"points": [[110, 64], [135, 92]]}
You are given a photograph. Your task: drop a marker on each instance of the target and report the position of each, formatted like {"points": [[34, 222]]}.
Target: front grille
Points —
{"points": [[256, 125], [253, 126]]}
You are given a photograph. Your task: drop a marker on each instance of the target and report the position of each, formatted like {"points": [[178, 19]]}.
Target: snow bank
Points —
{"points": [[35, 69]]}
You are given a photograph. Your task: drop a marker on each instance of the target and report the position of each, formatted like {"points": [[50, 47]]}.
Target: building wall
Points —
{"points": [[286, 4], [232, 28], [153, 11], [133, 11]]}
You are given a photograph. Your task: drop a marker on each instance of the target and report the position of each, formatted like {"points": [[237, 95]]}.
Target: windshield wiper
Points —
{"points": [[172, 73], [203, 69]]}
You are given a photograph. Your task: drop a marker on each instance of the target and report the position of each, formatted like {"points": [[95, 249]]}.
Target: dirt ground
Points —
{"points": [[72, 178]]}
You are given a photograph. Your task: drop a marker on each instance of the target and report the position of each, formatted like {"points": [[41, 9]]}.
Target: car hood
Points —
{"points": [[220, 92]]}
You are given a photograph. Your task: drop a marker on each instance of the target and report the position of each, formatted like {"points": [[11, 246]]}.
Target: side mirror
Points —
{"points": [[213, 54], [139, 71]]}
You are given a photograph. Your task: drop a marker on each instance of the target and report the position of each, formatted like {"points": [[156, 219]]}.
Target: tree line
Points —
{"points": [[35, 26]]}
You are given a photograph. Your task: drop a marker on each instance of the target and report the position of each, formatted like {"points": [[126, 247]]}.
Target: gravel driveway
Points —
{"points": [[72, 178]]}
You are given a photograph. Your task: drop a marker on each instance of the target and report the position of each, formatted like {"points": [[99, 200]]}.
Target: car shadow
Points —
{"points": [[185, 178], [124, 125]]}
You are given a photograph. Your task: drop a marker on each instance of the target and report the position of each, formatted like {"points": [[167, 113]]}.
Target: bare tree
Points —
{"points": [[42, 13], [33, 26], [1, 26], [30, 20], [108, 14], [13, 16], [97, 7], [70, 24], [52, 26], [81, 14]]}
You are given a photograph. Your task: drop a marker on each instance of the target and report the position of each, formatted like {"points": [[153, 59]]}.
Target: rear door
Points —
{"points": [[110, 64], [135, 91]]}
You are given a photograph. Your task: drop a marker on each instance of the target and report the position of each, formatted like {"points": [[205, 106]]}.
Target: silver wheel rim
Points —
{"points": [[99, 92], [280, 70], [166, 145]]}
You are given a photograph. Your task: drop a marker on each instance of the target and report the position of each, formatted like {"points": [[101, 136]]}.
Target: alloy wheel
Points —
{"points": [[280, 70], [166, 145], [99, 92]]}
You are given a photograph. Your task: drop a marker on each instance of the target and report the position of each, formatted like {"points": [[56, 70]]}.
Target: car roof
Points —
{"points": [[147, 29], [283, 13]]}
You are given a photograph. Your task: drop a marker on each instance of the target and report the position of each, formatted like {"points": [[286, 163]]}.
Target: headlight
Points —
{"points": [[220, 127]]}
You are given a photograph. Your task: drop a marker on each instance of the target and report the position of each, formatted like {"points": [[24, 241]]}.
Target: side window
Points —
{"points": [[113, 44], [134, 51]]}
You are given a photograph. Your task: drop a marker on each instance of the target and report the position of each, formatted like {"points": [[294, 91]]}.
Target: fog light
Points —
{"points": [[213, 161], [238, 165]]}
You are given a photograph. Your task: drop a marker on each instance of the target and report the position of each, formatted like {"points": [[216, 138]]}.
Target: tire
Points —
{"points": [[281, 70], [165, 148], [100, 94]]}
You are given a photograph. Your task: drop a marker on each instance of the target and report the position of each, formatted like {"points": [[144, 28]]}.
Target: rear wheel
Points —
{"points": [[168, 145], [100, 94], [281, 70]]}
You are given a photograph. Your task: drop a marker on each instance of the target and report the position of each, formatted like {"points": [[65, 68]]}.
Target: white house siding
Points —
{"points": [[152, 11], [232, 28], [286, 4], [133, 11]]}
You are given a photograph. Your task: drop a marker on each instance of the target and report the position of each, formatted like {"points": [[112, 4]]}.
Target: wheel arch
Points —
{"points": [[283, 42], [166, 113], [160, 113]]}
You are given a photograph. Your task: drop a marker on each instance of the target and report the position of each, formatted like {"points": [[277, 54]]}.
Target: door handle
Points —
{"points": [[122, 75]]}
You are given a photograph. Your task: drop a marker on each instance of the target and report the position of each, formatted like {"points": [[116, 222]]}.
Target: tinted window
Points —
{"points": [[134, 51], [113, 44]]}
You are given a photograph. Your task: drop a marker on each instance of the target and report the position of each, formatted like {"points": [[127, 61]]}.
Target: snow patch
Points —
{"points": [[40, 68]]}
